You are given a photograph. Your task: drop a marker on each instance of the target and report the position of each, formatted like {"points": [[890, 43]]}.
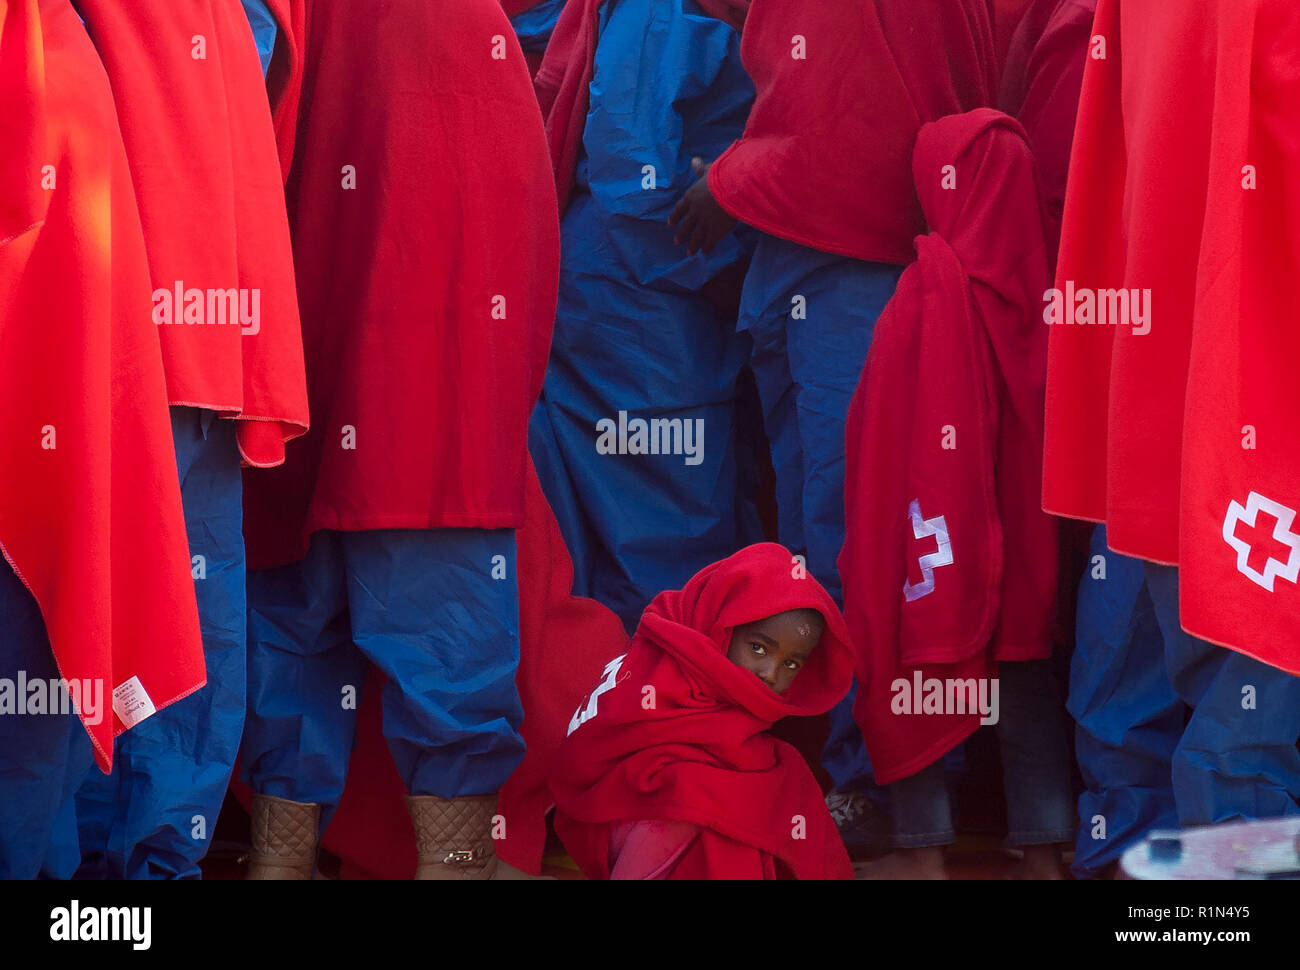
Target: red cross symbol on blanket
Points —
{"points": [[923, 528], [1265, 544]]}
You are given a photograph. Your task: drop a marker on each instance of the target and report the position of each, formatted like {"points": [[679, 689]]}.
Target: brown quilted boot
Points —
{"points": [[284, 838], [454, 836]]}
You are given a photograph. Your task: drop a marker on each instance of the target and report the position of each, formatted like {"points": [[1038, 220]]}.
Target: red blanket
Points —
{"points": [[1040, 89], [193, 110], [1185, 440], [22, 91], [1007, 17], [90, 509], [676, 732], [841, 90], [284, 77], [512, 7], [565, 75], [562, 638], [420, 170], [948, 564]]}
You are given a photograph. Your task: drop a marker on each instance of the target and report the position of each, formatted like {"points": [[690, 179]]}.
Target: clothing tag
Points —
{"points": [[131, 702]]}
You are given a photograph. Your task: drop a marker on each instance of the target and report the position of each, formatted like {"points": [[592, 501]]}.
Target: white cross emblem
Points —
{"points": [[942, 556], [1289, 570]]}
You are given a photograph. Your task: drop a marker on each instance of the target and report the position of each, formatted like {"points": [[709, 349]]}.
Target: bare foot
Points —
{"points": [[1040, 862], [923, 863]]}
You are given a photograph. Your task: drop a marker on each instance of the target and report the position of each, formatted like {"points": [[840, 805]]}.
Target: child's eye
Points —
{"points": [[758, 649], [792, 664]]}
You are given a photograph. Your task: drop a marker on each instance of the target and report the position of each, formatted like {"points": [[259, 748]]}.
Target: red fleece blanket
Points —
{"points": [[284, 76], [1185, 440], [562, 638], [948, 563], [565, 76], [1007, 17], [841, 90], [512, 7], [90, 510], [22, 91], [1040, 89], [194, 116], [675, 731], [421, 171]]}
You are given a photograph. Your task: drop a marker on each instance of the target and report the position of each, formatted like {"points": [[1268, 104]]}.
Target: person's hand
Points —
{"points": [[701, 223]]}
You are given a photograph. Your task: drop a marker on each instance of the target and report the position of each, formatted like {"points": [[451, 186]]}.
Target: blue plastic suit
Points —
{"points": [[153, 818], [635, 338], [43, 756], [534, 26], [264, 29], [1165, 734]]}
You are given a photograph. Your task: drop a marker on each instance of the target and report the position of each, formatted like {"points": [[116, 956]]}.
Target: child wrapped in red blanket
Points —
{"points": [[668, 771]]}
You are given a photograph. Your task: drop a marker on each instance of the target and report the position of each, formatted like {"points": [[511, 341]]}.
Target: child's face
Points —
{"points": [[776, 647]]}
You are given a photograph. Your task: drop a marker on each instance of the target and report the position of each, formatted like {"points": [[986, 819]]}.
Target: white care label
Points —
{"points": [[131, 702]]}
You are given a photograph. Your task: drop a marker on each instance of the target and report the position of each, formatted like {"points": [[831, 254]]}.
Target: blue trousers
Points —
{"points": [[845, 755], [437, 611], [1162, 737], [153, 818], [811, 315], [1237, 756], [43, 757], [1128, 718], [1035, 769]]}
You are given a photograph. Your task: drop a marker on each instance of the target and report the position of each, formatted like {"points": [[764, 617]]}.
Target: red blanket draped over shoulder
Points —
{"points": [[426, 244], [194, 116], [1178, 424], [564, 79], [697, 750], [948, 563], [370, 830], [841, 90], [90, 511]]}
